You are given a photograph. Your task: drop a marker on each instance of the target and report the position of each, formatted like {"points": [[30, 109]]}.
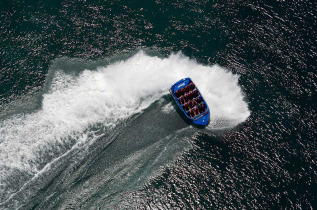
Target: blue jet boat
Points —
{"points": [[191, 102]]}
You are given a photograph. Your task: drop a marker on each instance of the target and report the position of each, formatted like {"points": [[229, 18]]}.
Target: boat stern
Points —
{"points": [[202, 121]]}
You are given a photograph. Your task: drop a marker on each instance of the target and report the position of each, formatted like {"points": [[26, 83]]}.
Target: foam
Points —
{"points": [[109, 95]]}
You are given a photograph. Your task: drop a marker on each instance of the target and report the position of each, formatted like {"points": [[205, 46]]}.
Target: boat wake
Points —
{"points": [[79, 106]]}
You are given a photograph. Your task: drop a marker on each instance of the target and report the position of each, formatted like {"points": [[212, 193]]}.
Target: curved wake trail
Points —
{"points": [[106, 96]]}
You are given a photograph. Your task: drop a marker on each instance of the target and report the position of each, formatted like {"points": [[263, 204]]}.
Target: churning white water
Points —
{"points": [[108, 96]]}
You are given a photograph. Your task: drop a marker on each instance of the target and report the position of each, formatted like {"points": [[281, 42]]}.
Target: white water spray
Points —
{"points": [[110, 95]]}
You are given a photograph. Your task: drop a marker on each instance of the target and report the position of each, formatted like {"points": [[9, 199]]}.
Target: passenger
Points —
{"points": [[194, 103], [187, 89], [196, 110], [186, 96], [177, 93], [192, 85], [188, 102], [186, 107], [191, 96], [195, 93], [191, 113], [202, 108], [182, 100], [182, 91], [198, 100]]}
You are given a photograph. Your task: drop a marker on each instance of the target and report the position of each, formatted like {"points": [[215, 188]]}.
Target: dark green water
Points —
{"points": [[70, 139]]}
